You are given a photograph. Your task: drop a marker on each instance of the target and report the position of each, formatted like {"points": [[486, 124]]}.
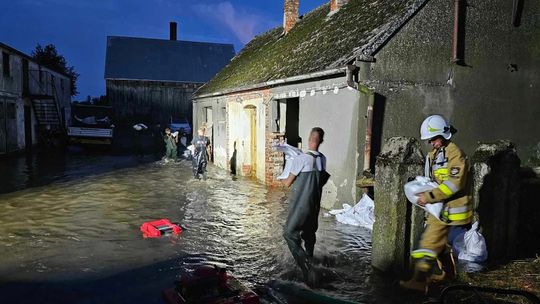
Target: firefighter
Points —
{"points": [[447, 165]]}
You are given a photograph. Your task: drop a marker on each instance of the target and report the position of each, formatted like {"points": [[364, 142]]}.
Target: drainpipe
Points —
{"points": [[456, 38], [369, 130], [350, 72]]}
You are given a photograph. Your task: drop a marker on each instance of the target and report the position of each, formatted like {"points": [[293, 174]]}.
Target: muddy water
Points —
{"points": [[77, 240]]}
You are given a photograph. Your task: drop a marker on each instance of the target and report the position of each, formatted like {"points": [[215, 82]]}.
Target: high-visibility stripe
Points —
{"points": [[456, 213], [455, 210], [422, 253], [441, 171], [444, 188], [460, 216], [451, 186]]}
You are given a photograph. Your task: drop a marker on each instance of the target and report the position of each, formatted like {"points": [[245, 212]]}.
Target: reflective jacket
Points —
{"points": [[449, 168]]}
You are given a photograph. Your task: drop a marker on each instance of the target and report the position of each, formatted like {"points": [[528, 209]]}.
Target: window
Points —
{"points": [[209, 115], [6, 64]]}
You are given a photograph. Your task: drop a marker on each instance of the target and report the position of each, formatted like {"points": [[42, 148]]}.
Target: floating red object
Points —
{"points": [[210, 285], [158, 228]]}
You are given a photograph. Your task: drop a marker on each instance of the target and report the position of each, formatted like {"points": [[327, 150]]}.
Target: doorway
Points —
{"points": [[251, 113], [209, 119], [8, 125], [27, 127], [292, 132]]}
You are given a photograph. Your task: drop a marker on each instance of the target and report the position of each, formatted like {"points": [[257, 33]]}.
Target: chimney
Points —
{"points": [[335, 5], [290, 14], [172, 30]]}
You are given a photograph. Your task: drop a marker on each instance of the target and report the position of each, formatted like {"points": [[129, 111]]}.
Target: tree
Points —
{"points": [[48, 56]]}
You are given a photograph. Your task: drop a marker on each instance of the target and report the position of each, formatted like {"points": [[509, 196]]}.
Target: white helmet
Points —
{"points": [[435, 125]]}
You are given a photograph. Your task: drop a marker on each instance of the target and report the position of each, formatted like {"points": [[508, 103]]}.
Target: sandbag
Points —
{"points": [[471, 245], [290, 153], [422, 184], [361, 214]]}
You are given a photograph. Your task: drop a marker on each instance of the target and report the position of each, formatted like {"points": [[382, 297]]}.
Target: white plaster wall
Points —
{"points": [[239, 131]]}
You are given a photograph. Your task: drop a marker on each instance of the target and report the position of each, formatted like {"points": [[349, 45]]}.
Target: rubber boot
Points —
{"points": [[418, 282], [310, 276], [448, 264], [438, 274]]}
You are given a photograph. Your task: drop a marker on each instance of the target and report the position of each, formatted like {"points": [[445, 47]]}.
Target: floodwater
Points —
{"points": [[70, 232]]}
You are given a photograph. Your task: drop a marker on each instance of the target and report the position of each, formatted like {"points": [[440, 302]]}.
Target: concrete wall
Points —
{"points": [[230, 130], [331, 105], [495, 94], [218, 130]]}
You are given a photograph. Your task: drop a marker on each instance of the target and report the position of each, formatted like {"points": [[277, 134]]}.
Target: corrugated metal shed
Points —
{"points": [[165, 60]]}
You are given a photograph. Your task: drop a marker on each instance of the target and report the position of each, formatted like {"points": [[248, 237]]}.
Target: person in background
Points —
{"points": [[170, 144], [201, 147], [307, 177], [447, 166], [139, 128]]}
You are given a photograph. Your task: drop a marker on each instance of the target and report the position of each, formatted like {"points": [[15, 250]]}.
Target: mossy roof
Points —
{"points": [[317, 42]]}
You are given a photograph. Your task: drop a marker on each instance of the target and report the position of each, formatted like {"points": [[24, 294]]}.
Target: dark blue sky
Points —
{"points": [[79, 28]]}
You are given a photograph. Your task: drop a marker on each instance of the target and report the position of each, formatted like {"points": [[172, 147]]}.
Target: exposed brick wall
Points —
{"points": [[290, 14], [274, 160]]}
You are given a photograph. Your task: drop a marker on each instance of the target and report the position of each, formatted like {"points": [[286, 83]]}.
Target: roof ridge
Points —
{"points": [[165, 40]]}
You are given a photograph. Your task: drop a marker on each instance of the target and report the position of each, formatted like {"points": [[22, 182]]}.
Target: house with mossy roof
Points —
{"points": [[367, 70]]}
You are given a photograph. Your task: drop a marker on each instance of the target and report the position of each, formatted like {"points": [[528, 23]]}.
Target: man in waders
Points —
{"points": [[201, 145], [170, 144], [446, 164], [307, 177]]}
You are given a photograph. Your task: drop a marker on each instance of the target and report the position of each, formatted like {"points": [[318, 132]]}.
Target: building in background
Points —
{"points": [[35, 101], [151, 81]]}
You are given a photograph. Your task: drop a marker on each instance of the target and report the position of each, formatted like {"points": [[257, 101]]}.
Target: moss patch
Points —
{"points": [[317, 42]]}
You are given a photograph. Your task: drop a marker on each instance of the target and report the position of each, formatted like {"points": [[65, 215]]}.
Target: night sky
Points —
{"points": [[79, 28]]}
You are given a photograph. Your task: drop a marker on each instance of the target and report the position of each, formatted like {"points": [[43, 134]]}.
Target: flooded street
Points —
{"points": [[72, 235]]}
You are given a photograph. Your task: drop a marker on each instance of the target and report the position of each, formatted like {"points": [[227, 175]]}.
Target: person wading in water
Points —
{"points": [[307, 177], [201, 145]]}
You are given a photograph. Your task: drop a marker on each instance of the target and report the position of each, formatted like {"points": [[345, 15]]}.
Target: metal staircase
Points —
{"points": [[43, 95]]}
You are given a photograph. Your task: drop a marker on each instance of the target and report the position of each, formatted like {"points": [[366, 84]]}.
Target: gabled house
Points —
{"points": [[366, 70], [35, 101], [152, 80]]}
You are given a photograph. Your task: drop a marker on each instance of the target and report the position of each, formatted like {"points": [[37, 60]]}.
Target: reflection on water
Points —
{"points": [[87, 230]]}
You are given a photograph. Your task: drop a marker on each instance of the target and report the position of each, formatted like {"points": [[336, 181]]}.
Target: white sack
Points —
{"points": [[418, 185], [362, 214], [140, 127], [290, 152], [471, 245]]}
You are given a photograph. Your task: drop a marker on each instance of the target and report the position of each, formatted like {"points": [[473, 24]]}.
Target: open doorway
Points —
{"points": [[287, 120], [27, 127], [251, 114]]}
